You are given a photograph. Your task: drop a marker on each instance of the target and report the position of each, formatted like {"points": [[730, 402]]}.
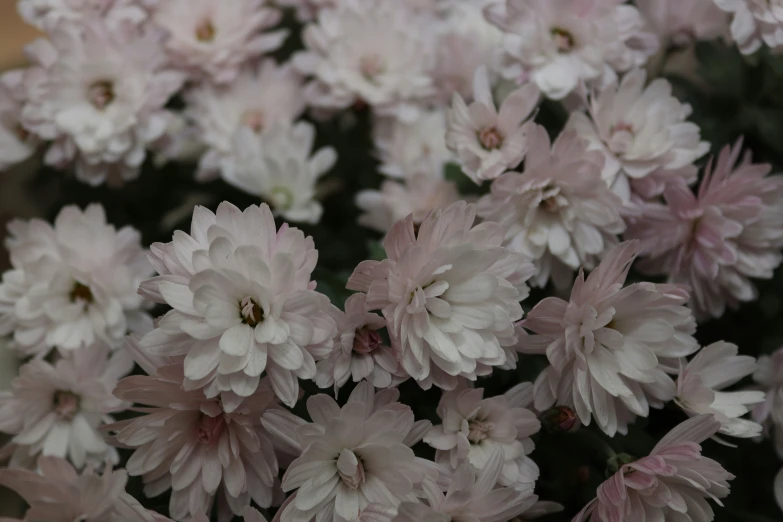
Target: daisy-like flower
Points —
{"points": [[215, 39], [73, 283], [370, 51], [450, 294], [672, 483], [769, 376], [57, 409], [97, 90], [278, 167], [755, 22], [700, 382], [258, 98], [716, 240], [681, 22], [359, 350], [16, 143], [489, 141], [562, 43], [639, 130], [558, 213], [191, 445], [408, 149], [414, 196], [474, 428], [242, 301], [609, 346], [351, 456]]}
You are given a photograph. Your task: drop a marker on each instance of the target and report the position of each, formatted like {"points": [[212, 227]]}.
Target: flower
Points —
{"points": [[243, 304], [258, 98], [754, 22], [769, 375], [475, 428], [351, 456], [682, 22], [558, 213], [716, 240], [97, 91], [639, 130], [560, 44], [193, 446], [57, 409], [359, 350], [277, 166], [47, 14], [609, 346], [214, 39], [672, 483], [416, 195], [489, 141], [372, 51], [16, 143], [450, 294], [73, 283]]}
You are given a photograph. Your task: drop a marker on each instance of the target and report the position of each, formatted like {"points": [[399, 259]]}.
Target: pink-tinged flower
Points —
{"points": [[558, 213], [350, 457], [755, 22], [72, 284], [16, 143], [416, 148], [58, 494], [490, 141], [57, 409], [700, 382], [639, 130], [609, 346], [769, 376], [359, 350], [414, 196], [243, 304], [681, 22], [716, 240], [47, 14], [560, 44], [193, 446], [672, 483], [475, 428], [97, 91], [450, 294], [259, 97], [214, 39], [370, 51]]}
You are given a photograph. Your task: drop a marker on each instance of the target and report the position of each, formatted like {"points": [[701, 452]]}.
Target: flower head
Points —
{"points": [[47, 14], [754, 22], [680, 22], [16, 143]]}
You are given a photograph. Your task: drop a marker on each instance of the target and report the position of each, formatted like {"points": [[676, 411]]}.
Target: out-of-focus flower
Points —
{"points": [[57, 409], [408, 149], [673, 482], [47, 14], [681, 22], [639, 130], [490, 141], [259, 98], [450, 294], [714, 241], [278, 167], [72, 284], [754, 22], [769, 375], [16, 143], [243, 303], [215, 39], [609, 346], [558, 213], [560, 44]]}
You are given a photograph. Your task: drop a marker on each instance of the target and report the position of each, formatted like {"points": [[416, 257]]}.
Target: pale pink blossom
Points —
{"points": [[609, 346], [681, 22], [490, 141], [16, 143], [449, 292], [408, 149], [47, 14], [755, 22], [716, 240], [769, 376], [673, 483], [558, 213]]}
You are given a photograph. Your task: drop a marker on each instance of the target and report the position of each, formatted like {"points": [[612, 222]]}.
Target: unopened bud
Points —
{"points": [[560, 419]]}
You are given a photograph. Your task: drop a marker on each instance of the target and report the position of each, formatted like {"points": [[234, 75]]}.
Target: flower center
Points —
{"points": [[350, 469], [251, 312], [479, 431], [205, 31], [564, 40], [552, 200], [66, 404], [371, 65], [366, 341], [490, 138], [82, 293], [210, 429], [21, 132], [621, 137], [281, 197], [101, 94], [254, 119]]}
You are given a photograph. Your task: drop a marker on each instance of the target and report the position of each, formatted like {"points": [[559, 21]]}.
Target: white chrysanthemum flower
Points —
{"points": [[370, 51], [97, 90], [610, 347], [558, 213], [16, 143], [560, 44], [278, 167], [699, 386], [243, 304], [450, 294], [72, 284], [57, 409], [639, 130], [755, 22], [47, 14], [258, 98], [681, 22], [215, 38], [408, 149], [474, 428]]}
